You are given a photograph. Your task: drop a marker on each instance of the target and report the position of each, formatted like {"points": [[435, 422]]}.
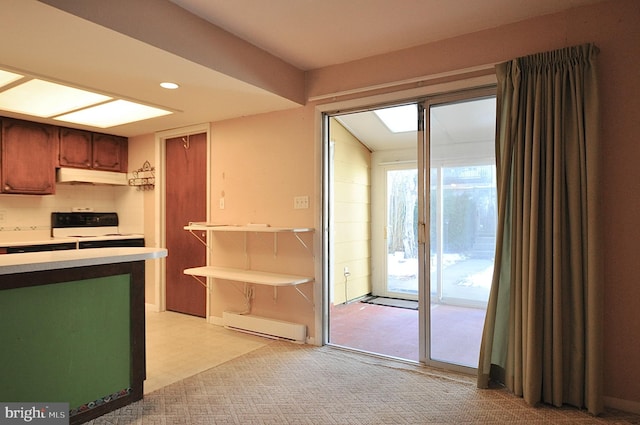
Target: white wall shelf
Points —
{"points": [[249, 228], [258, 228], [248, 276]]}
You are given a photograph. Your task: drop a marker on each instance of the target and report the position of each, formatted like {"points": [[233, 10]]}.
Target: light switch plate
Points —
{"points": [[300, 202]]}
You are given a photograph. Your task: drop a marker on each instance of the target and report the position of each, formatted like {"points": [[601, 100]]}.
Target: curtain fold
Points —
{"points": [[543, 329]]}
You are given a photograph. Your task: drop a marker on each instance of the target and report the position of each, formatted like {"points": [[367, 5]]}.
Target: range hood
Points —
{"points": [[82, 176]]}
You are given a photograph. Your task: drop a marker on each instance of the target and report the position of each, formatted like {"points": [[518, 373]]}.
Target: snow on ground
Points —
{"points": [[479, 279], [407, 268]]}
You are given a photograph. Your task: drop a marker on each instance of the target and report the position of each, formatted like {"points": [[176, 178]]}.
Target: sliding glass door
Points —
{"points": [[412, 221], [458, 173]]}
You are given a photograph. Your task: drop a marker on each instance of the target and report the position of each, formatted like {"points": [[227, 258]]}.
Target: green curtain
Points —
{"points": [[542, 336]]}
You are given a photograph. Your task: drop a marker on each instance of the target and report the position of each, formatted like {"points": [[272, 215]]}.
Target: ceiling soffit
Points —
{"points": [[175, 30]]}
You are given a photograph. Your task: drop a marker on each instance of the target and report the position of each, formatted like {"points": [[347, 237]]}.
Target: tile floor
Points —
{"points": [[376, 329], [179, 346], [391, 331]]}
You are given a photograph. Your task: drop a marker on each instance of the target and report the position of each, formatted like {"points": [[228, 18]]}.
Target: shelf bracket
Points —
{"points": [[202, 241], [304, 244], [275, 295], [246, 253], [303, 295], [197, 278], [275, 245]]}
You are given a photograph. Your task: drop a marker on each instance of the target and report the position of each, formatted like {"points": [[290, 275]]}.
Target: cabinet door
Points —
{"points": [[75, 148], [28, 154], [109, 152]]}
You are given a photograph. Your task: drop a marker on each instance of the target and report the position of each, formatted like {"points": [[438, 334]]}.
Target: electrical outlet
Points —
{"points": [[300, 202]]}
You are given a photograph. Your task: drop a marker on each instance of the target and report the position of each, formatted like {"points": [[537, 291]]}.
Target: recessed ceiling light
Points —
{"points": [[112, 114], [399, 119], [168, 85], [44, 99], [7, 77]]}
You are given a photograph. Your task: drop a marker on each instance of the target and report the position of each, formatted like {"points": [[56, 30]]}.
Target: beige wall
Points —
{"points": [[351, 240], [261, 162], [141, 149]]}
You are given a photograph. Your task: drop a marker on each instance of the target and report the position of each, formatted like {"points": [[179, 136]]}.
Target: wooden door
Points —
{"points": [[186, 170]]}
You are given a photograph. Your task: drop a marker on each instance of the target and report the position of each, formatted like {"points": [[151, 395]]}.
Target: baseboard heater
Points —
{"points": [[265, 327]]}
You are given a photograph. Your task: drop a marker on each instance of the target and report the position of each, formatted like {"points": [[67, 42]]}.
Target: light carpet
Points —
{"points": [[285, 383]]}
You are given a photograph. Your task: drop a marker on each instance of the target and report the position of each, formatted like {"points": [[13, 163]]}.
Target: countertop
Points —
{"points": [[53, 260]]}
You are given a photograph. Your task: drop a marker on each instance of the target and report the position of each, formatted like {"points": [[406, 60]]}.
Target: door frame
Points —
{"points": [[160, 206], [381, 164], [334, 107]]}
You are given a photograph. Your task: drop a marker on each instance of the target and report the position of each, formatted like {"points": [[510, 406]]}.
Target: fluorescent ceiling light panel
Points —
{"points": [[399, 119], [7, 77], [112, 114], [44, 99]]}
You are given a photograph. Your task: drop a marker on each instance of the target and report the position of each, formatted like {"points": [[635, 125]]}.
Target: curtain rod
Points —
{"points": [[392, 84]]}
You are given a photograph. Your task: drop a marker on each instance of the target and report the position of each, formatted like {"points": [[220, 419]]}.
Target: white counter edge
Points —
{"points": [[55, 260]]}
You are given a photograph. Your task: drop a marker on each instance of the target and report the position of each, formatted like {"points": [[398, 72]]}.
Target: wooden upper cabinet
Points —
{"points": [[84, 149], [110, 153], [28, 153], [75, 148]]}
